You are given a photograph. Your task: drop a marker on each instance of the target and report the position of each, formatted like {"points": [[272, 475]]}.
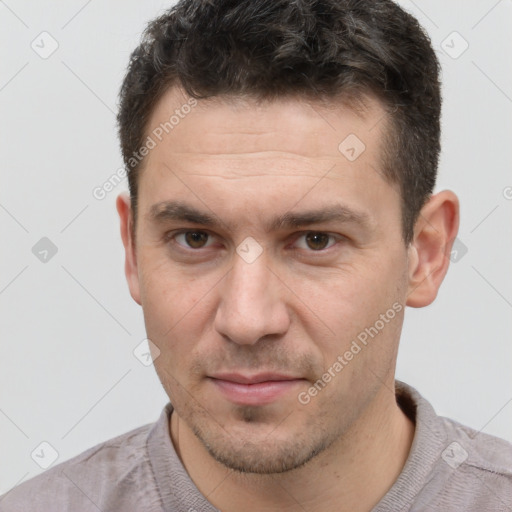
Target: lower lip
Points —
{"points": [[260, 393]]}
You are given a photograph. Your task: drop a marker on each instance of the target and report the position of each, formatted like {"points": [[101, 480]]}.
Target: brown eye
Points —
{"points": [[196, 239], [193, 239], [317, 241]]}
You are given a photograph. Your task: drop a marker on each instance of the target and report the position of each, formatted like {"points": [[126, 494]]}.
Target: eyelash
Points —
{"points": [[171, 238]]}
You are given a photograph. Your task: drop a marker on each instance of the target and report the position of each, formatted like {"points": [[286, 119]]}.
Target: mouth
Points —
{"points": [[257, 389]]}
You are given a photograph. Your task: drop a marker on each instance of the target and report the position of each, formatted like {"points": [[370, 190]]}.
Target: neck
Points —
{"points": [[356, 471]]}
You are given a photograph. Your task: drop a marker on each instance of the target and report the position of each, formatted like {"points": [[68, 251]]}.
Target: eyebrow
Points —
{"points": [[166, 211]]}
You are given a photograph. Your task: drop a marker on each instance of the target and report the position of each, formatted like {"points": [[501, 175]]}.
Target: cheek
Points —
{"points": [[166, 295], [351, 305], [177, 307], [351, 298]]}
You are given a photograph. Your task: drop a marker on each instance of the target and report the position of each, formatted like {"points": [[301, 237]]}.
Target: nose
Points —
{"points": [[251, 303]]}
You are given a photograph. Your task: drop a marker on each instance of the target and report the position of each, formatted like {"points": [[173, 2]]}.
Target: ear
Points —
{"points": [[429, 252], [123, 205]]}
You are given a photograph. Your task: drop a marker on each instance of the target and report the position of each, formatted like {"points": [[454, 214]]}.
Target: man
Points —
{"points": [[282, 158]]}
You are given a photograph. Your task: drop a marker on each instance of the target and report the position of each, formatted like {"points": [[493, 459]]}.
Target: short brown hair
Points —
{"points": [[313, 48]]}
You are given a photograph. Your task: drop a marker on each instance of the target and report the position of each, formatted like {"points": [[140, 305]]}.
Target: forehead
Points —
{"points": [[298, 125]]}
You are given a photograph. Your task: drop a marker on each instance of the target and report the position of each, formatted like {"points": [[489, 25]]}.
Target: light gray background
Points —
{"points": [[68, 375]]}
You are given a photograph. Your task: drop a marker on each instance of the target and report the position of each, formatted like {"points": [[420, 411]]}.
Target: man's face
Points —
{"points": [[253, 303]]}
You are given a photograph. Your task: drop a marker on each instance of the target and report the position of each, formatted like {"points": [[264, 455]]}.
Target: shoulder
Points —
{"points": [[85, 482], [483, 453], [451, 466], [474, 470]]}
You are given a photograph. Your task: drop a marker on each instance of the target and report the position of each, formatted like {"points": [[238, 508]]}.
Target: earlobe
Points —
{"points": [[123, 205], [434, 234]]}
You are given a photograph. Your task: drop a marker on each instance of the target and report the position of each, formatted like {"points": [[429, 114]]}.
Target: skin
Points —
{"points": [[293, 310]]}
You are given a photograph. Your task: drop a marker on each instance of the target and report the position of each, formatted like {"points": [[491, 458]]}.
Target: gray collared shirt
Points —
{"points": [[450, 468]]}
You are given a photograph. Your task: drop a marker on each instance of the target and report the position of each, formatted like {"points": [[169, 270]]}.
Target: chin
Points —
{"points": [[262, 449]]}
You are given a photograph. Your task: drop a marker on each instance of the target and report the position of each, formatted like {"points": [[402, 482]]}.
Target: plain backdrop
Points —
{"points": [[68, 374]]}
